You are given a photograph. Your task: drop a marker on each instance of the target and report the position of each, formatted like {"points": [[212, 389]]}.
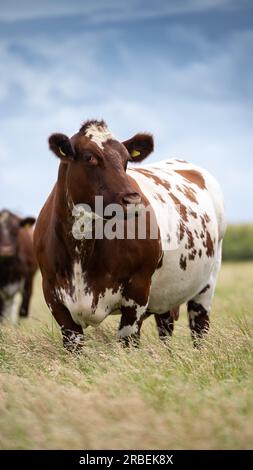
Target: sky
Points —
{"points": [[180, 69]]}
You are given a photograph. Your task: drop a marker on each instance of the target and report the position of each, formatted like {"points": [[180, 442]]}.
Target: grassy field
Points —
{"points": [[142, 399]]}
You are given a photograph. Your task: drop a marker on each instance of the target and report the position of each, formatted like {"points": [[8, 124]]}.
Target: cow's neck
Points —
{"points": [[76, 249]]}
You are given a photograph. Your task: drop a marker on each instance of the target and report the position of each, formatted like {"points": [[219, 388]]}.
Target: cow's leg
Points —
{"points": [[72, 334], [133, 309], [165, 325], [199, 307], [27, 292], [130, 325], [10, 308]]}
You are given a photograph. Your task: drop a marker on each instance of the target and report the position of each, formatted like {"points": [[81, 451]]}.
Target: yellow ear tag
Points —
{"points": [[61, 152], [27, 226], [135, 153]]}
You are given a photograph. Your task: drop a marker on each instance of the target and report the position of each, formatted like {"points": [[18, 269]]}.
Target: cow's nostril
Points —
{"points": [[132, 198]]}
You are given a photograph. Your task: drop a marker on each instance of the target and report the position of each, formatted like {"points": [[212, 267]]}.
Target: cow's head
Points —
{"points": [[10, 225], [96, 164]]}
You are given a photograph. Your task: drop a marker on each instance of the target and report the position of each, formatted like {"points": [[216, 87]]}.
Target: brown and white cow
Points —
{"points": [[85, 280], [17, 265]]}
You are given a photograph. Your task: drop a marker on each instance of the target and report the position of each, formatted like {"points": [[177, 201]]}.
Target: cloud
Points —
{"points": [[198, 107], [112, 10]]}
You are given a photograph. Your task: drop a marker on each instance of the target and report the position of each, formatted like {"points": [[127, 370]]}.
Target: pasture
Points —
{"points": [[148, 398]]}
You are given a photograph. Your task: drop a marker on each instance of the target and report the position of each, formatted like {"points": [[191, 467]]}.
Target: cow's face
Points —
{"points": [[10, 225], [97, 164]]}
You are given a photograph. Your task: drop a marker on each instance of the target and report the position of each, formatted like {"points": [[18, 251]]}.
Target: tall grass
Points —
{"points": [[152, 397]]}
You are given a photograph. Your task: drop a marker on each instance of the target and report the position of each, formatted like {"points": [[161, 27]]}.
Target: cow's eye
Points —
{"points": [[90, 159]]}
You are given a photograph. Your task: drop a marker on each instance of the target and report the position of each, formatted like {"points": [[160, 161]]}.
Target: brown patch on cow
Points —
{"points": [[190, 194], [202, 235], [209, 245], [192, 255], [196, 233], [203, 291], [193, 214], [207, 218], [183, 213], [155, 178], [190, 239], [200, 253], [203, 223], [182, 207], [194, 177], [181, 231], [158, 196], [183, 264]]}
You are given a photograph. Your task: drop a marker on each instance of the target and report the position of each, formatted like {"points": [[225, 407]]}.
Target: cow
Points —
{"points": [[17, 266], [86, 279]]}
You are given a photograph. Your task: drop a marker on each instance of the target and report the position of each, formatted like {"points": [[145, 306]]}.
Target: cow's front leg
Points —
{"points": [[72, 334], [27, 293], [134, 306], [130, 325]]}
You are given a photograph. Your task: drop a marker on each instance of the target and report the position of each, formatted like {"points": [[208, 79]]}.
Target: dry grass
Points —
{"points": [[147, 398]]}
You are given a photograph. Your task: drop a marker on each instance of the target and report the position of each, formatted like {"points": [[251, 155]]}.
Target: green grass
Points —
{"points": [[238, 243], [109, 397]]}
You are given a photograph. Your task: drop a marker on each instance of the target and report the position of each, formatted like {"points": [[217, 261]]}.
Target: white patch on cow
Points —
{"points": [[12, 298], [79, 300], [205, 299], [172, 285], [98, 134], [129, 330]]}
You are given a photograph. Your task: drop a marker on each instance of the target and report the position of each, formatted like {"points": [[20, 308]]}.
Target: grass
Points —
{"points": [[141, 399]]}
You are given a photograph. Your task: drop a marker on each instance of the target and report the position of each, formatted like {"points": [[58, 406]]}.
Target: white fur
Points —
{"points": [[171, 285], [98, 134], [80, 302], [12, 299]]}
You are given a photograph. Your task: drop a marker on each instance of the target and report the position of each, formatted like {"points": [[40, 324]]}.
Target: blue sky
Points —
{"points": [[181, 69]]}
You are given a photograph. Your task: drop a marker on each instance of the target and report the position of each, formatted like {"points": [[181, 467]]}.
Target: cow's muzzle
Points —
{"points": [[132, 204], [131, 198]]}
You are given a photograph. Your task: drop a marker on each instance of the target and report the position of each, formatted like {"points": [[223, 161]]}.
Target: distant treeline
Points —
{"points": [[238, 243]]}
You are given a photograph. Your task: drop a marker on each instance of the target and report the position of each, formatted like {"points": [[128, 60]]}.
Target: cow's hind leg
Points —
{"points": [[199, 307], [130, 325], [165, 324], [27, 293]]}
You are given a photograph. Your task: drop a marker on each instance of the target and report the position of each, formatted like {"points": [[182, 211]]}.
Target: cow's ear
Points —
{"points": [[27, 222], [139, 146], [60, 144]]}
